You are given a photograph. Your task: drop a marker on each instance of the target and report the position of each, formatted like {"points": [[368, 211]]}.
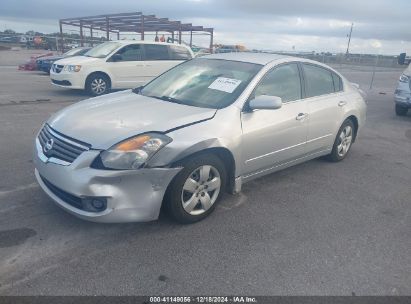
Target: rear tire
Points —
{"points": [[400, 111], [98, 84], [195, 191], [343, 141]]}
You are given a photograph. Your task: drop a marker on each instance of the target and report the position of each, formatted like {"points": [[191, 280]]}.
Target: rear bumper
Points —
{"points": [[402, 94], [402, 101]]}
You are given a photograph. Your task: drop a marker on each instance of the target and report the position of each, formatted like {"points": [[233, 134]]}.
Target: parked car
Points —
{"points": [[73, 45], [201, 52], [44, 63], [6, 39], [204, 127], [30, 64], [117, 65], [230, 49], [402, 96]]}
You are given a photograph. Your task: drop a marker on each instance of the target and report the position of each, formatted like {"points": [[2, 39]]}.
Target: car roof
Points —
{"points": [[250, 57]]}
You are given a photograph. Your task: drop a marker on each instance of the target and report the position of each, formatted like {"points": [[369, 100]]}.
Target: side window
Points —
{"points": [[130, 52], [319, 81], [337, 82], [156, 52], [179, 53], [283, 81]]}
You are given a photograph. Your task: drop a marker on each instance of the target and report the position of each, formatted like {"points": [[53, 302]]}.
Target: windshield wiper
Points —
{"points": [[165, 98], [171, 99], [137, 90]]}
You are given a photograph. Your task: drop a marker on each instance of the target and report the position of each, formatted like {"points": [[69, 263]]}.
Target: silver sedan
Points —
{"points": [[204, 127]]}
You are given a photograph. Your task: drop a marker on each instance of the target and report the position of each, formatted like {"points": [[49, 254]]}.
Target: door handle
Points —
{"points": [[342, 103], [301, 116]]}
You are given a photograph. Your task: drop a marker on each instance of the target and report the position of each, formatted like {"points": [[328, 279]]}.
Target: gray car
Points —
{"points": [[402, 96], [204, 127]]}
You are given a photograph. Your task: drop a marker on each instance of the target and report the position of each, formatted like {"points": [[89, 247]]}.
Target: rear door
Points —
{"points": [[325, 101], [126, 70]]}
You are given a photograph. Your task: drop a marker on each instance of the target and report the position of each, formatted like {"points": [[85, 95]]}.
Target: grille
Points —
{"points": [[61, 82], [57, 145], [83, 203], [63, 195], [57, 68]]}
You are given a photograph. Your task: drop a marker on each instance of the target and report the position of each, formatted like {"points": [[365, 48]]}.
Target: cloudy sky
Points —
{"points": [[380, 26]]}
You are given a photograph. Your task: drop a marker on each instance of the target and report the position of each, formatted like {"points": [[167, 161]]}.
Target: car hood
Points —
{"points": [[77, 60], [106, 120], [54, 58]]}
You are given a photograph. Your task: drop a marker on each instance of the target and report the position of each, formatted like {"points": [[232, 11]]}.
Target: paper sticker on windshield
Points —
{"points": [[225, 84]]}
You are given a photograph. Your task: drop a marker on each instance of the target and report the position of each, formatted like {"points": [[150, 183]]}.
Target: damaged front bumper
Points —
{"points": [[130, 195]]}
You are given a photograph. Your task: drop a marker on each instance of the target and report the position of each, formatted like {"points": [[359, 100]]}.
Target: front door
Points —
{"points": [[275, 137], [127, 67]]}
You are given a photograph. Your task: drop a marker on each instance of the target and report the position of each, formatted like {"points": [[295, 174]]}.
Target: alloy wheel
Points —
{"points": [[200, 190], [345, 140], [98, 86]]}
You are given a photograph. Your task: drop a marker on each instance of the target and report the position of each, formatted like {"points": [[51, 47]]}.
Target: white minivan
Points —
{"points": [[117, 65]]}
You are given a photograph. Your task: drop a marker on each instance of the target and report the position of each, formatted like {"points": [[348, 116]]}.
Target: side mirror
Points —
{"points": [[116, 57], [265, 102]]}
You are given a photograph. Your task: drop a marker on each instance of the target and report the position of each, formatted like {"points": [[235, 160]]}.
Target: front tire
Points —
{"points": [[400, 111], [195, 191], [98, 84], [343, 141]]}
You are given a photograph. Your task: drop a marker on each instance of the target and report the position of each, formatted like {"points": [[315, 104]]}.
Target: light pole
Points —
{"points": [[349, 39]]}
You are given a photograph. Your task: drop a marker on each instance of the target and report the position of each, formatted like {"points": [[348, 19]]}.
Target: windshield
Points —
{"points": [[102, 50], [76, 52], [209, 83], [72, 52]]}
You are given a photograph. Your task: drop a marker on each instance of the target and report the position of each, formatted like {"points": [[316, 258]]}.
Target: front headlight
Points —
{"points": [[133, 152], [405, 78], [72, 68]]}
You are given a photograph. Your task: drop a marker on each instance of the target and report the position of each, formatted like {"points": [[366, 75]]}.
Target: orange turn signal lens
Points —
{"points": [[132, 144]]}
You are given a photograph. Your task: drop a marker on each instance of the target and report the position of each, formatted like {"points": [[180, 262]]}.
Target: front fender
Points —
{"points": [[223, 131], [175, 156], [99, 69]]}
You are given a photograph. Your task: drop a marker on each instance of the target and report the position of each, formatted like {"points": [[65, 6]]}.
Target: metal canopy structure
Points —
{"points": [[135, 22]]}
